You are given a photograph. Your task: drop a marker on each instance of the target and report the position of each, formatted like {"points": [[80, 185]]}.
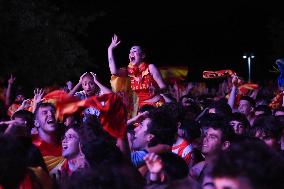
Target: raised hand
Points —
{"points": [[38, 94], [235, 80], [12, 123], [81, 78], [114, 42], [11, 80], [69, 85], [94, 76], [26, 103], [154, 163]]}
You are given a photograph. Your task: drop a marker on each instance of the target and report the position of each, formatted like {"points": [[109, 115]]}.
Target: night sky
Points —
{"points": [[201, 36]]}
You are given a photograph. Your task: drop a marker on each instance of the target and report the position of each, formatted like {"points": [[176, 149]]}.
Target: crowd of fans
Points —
{"points": [[183, 139]]}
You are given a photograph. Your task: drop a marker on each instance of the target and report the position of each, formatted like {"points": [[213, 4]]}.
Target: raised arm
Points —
{"points": [[8, 91], [157, 76], [76, 88], [111, 62], [234, 90], [38, 94], [103, 88], [163, 89]]}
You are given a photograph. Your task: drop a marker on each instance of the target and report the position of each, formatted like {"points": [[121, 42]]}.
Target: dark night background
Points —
{"points": [[46, 42]]}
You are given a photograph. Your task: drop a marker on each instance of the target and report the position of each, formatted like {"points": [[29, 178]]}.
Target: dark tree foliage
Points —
{"points": [[40, 41]]}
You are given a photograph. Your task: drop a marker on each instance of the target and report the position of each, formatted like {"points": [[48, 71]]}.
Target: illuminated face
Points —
{"points": [[70, 120], [89, 86], [70, 144], [270, 141], [244, 107], [211, 141], [186, 101], [238, 127], [136, 55], [141, 137], [45, 119], [232, 183], [19, 98]]}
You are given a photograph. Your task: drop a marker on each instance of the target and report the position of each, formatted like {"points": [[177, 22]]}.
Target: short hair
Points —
{"points": [[249, 99], [193, 107], [237, 116], [100, 152], [191, 130], [162, 126], [251, 159], [26, 115], [173, 109], [97, 145], [76, 127], [174, 166], [268, 125], [41, 105], [221, 107], [218, 122]]}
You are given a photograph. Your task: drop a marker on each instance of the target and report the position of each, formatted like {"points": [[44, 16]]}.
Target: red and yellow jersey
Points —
{"points": [[142, 81], [51, 153]]}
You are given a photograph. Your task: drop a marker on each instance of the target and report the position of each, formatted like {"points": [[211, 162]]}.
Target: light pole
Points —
{"points": [[249, 57]]}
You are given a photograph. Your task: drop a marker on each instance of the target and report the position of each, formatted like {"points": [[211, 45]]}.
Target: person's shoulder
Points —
{"points": [[196, 170], [152, 68]]}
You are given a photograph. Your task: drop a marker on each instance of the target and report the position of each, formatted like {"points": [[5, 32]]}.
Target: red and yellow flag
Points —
{"points": [[113, 114], [174, 74]]}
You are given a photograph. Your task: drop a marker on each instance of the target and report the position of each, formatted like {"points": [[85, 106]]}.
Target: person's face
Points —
{"points": [[69, 121], [45, 119], [19, 98], [180, 132], [141, 137], [70, 144], [232, 183], [88, 85], [136, 55], [238, 127], [186, 102], [244, 107], [270, 141], [211, 141]]}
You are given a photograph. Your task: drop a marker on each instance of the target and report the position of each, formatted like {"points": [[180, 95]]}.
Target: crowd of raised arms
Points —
{"points": [[142, 132]]}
